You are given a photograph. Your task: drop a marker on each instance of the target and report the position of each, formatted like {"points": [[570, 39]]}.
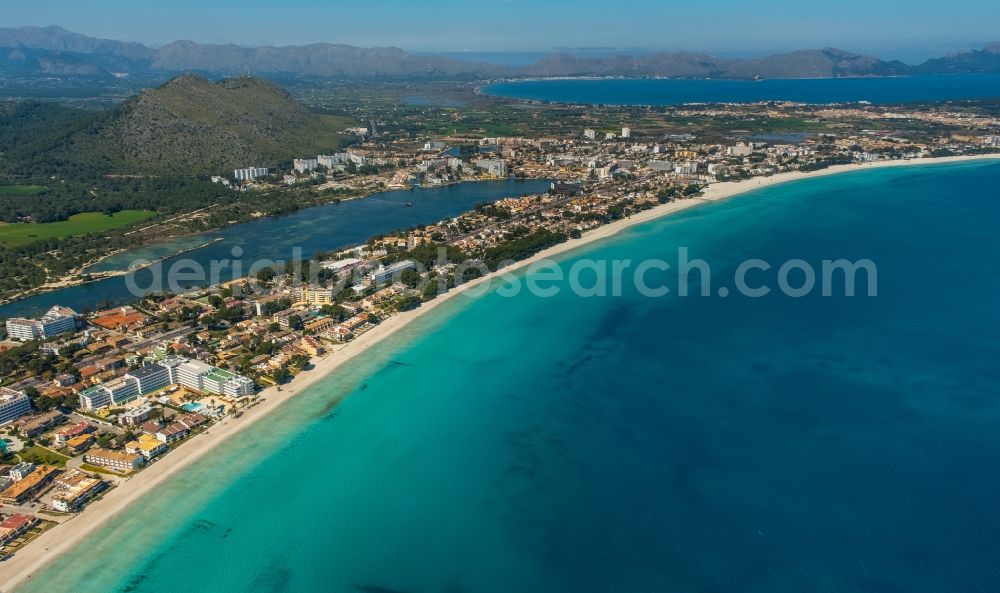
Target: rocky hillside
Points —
{"points": [[57, 39], [193, 125], [320, 59], [188, 126], [984, 61]]}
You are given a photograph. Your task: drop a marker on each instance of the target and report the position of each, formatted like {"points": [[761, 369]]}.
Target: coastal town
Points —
{"points": [[91, 399], [516, 297]]}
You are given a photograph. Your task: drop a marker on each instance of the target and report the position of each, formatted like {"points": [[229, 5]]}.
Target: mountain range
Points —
{"points": [[52, 51]]}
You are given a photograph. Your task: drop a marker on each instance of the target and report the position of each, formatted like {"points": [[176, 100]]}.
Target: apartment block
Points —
{"points": [[13, 405], [304, 165], [313, 295], [390, 272], [58, 320], [250, 173], [114, 460], [150, 377]]}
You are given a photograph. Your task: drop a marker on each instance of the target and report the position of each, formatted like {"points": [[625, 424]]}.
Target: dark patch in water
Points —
{"points": [[203, 525], [398, 363], [578, 363], [276, 578], [134, 584]]}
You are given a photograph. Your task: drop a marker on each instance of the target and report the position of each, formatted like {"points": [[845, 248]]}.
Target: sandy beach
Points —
{"points": [[67, 535]]}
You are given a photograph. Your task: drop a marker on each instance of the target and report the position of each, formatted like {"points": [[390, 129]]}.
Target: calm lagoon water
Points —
{"points": [[320, 228], [571, 444], [651, 91]]}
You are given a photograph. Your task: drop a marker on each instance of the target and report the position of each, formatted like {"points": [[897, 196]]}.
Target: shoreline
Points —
{"points": [[103, 275], [106, 275], [481, 85], [63, 537]]}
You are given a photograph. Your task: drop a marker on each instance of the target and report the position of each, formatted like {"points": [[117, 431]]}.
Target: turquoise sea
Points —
{"points": [[658, 91], [635, 444]]}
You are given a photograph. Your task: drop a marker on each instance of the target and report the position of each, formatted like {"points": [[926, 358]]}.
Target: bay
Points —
{"points": [[629, 443], [659, 91]]}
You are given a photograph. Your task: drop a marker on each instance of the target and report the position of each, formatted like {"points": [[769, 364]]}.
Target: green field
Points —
{"points": [[40, 455], [21, 190], [16, 234]]}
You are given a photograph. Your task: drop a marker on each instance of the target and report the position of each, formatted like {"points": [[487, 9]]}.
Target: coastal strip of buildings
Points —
{"points": [[170, 371]]}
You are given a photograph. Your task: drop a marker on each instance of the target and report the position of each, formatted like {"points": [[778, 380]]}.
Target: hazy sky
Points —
{"points": [[894, 28]]}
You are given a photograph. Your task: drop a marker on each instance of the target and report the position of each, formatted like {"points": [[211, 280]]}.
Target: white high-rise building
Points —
{"points": [[58, 320], [304, 165], [13, 405], [686, 168], [331, 160], [626, 132], [94, 398], [249, 173], [204, 377], [150, 377], [390, 272], [173, 370], [494, 167], [740, 149], [590, 134]]}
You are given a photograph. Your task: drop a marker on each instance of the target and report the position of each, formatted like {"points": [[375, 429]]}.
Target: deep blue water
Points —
{"points": [[674, 444], [320, 228], [647, 91]]}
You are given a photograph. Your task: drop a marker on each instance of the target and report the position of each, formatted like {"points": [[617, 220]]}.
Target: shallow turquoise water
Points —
{"points": [[571, 444]]}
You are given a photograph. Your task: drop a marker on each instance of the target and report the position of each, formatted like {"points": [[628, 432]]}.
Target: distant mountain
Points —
{"points": [[321, 59], [681, 65], [26, 62], [984, 61], [54, 51], [56, 38], [822, 63]]}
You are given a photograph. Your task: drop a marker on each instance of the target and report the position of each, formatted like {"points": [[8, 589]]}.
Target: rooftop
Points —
{"points": [[146, 371], [111, 455], [8, 395]]}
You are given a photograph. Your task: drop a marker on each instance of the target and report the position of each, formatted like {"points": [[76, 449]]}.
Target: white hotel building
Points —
{"points": [[13, 405], [58, 320], [174, 370], [391, 272], [204, 377], [249, 173], [304, 165]]}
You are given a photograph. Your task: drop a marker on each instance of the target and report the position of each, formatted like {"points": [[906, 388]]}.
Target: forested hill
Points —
{"points": [[192, 125], [149, 152], [189, 126]]}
